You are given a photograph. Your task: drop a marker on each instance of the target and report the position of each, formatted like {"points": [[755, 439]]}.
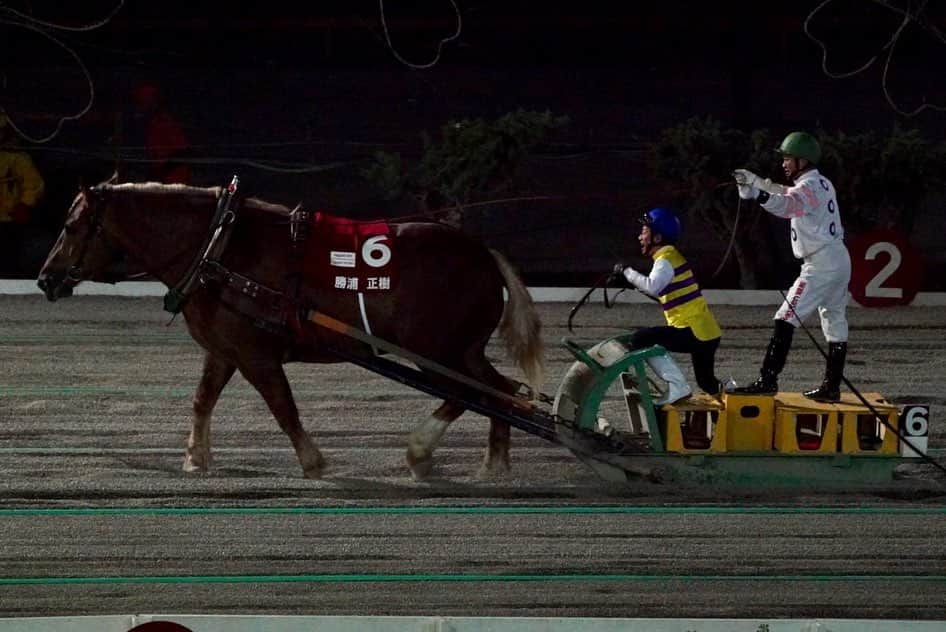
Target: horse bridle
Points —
{"points": [[94, 198]]}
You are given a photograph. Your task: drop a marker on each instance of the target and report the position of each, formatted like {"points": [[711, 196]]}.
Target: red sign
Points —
{"points": [[885, 270]]}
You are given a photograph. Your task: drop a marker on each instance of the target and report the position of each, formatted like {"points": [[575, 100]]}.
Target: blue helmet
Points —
{"points": [[665, 222]]}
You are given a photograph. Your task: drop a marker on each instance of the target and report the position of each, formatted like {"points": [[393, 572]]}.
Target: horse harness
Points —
{"points": [[269, 309]]}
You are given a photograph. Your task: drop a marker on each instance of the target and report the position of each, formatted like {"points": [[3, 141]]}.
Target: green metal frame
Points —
{"points": [[587, 415]]}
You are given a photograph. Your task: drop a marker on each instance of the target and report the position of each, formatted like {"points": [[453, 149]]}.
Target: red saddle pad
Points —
{"points": [[349, 255]]}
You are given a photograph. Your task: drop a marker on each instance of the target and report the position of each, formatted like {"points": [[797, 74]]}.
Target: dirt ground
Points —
{"points": [[94, 413]]}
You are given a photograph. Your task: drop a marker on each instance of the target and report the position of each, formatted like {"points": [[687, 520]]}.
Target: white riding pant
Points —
{"points": [[822, 285]]}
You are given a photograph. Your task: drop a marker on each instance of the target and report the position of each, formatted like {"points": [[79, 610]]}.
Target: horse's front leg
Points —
{"points": [[217, 372], [271, 382]]}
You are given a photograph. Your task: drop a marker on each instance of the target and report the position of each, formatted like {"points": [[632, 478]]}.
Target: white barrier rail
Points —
{"points": [[539, 294], [248, 623]]}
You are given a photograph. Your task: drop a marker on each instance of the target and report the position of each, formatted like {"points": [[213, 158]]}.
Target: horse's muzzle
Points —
{"points": [[55, 287]]}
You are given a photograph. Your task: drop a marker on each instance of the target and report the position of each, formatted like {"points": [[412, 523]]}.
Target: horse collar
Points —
{"points": [[211, 249]]}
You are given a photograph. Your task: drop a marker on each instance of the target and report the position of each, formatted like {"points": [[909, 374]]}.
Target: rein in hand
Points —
{"points": [[602, 282]]}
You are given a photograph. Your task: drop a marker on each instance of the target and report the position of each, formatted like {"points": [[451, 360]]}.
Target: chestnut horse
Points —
{"points": [[445, 305]]}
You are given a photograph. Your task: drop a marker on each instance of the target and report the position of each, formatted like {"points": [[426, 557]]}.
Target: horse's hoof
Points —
{"points": [[493, 470], [313, 473], [191, 466], [420, 463], [312, 463], [421, 470]]}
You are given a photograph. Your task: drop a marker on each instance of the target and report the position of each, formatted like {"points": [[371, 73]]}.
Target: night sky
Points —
{"points": [[722, 59]]}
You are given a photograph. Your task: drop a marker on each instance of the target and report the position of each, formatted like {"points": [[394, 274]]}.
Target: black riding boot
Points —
{"points": [[773, 363], [830, 389]]}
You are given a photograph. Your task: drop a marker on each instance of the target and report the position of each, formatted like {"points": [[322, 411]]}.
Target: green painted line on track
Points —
{"points": [[396, 577], [446, 510]]}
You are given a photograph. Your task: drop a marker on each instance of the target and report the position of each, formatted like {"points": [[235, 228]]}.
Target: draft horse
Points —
{"points": [[445, 305]]}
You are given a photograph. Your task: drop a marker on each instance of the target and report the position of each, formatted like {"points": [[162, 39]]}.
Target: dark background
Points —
{"points": [[294, 98]]}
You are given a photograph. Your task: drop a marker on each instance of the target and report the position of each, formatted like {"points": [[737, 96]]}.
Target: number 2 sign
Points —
{"points": [[885, 270]]}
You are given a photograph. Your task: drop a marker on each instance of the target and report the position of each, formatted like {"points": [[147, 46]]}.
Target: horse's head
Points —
{"points": [[82, 252]]}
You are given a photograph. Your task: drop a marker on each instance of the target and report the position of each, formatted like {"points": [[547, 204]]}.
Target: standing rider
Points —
{"points": [[817, 237], [691, 327]]}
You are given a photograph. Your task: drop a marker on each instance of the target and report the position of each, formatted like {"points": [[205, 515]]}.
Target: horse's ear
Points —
{"points": [[113, 179], [84, 189]]}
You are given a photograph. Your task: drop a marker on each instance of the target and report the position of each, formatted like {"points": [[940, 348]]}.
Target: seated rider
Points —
{"points": [[691, 327]]}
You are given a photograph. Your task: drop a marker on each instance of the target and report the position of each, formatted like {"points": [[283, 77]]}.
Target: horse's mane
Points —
{"points": [[159, 188]]}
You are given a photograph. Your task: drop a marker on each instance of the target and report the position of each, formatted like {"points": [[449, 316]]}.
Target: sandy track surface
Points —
{"points": [[94, 412]]}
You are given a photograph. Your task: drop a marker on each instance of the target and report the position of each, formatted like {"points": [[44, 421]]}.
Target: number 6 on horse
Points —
{"points": [[423, 286]]}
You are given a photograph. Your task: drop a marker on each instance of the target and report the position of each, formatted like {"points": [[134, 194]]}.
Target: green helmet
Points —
{"points": [[801, 145]]}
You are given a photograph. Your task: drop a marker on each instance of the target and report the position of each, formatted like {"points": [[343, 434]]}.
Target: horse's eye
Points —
{"points": [[70, 229]]}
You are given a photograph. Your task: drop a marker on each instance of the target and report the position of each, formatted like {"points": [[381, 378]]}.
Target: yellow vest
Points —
{"points": [[682, 301], [20, 182]]}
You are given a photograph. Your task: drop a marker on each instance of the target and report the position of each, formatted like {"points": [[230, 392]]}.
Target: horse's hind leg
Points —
{"points": [[425, 438], [496, 459], [217, 372], [271, 382]]}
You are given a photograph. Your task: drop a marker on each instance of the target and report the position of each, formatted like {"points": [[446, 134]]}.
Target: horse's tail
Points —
{"points": [[520, 327]]}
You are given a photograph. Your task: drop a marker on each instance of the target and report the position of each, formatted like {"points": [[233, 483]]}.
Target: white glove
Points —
{"points": [[744, 176], [747, 191]]}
